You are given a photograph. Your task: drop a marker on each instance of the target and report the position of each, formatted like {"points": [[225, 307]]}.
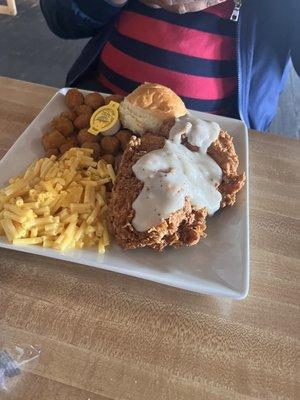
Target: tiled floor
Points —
{"points": [[29, 51]]}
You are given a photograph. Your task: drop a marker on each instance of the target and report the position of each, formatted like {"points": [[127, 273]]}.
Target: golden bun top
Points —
{"points": [[158, 99]]}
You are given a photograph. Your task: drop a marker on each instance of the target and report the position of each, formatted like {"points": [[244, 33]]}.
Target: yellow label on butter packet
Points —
{"points": [[104, 118]]}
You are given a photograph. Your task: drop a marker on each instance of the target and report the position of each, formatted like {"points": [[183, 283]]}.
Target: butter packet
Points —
{"points": [[105, 120]]}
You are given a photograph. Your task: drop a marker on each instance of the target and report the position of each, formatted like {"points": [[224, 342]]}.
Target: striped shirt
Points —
{"points": [[194, 54]]}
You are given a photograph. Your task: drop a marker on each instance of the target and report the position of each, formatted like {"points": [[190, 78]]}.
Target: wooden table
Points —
{"points": [[9, 7], [106, 336]]}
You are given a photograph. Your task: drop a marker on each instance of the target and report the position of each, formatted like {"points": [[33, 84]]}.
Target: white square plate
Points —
{"points": [[218, 265]]}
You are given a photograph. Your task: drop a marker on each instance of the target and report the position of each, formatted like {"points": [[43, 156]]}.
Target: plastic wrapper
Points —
{"points": [[12, 362]]}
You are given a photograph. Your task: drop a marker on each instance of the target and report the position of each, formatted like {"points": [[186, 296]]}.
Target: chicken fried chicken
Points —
{"points": [[185, 226], [223, 152]]}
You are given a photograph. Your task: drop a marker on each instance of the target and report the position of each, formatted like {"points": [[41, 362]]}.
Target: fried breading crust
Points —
{"points": [[223, 152], [185, 226]]}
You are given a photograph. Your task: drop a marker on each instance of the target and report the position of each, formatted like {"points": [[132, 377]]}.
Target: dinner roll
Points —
{"points": [[148, 106]]}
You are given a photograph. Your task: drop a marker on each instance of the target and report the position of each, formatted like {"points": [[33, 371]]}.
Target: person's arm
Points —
{"points": [[295, 40], [74, 19]]}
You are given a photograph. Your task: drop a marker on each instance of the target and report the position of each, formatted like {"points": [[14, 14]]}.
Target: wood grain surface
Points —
{"points": [[104, 336]]}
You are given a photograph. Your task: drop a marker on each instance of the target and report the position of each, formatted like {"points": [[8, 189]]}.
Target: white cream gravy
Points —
{"points": [[199, 133], [174, 172]]}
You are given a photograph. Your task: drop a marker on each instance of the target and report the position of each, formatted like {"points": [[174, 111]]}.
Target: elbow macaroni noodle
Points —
{"points": [[58, 203]]}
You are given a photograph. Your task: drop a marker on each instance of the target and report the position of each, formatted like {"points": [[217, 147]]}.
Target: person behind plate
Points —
{"points": [[228, 57]]}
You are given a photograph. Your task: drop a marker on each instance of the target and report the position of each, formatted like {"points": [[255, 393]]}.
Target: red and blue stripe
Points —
{"points": [[194, 54]]}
